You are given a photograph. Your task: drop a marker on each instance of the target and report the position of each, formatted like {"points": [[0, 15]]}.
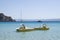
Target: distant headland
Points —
{"points": [[4, 18]]}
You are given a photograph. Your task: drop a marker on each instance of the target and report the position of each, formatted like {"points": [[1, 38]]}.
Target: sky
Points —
{"points": [[31, 9]]}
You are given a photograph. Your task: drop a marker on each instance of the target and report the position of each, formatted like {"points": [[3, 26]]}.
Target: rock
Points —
{"points": [[4, 18]]}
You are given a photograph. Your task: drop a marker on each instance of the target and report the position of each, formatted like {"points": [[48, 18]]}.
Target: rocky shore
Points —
{"points": [[4, 18]]}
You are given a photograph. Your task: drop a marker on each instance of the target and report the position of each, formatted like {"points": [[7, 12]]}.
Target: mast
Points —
{"points": [[21, 15]]}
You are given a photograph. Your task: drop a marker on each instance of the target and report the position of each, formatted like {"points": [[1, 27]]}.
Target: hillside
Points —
{"points": [[4, 18]]}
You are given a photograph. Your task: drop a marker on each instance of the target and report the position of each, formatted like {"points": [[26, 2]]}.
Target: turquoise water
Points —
{"points": [[8, 31]]}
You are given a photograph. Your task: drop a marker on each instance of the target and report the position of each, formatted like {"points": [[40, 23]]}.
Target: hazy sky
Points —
{"points": [[31, 9]]}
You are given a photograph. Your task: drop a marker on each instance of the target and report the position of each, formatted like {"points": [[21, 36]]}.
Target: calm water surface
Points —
{"points": [[8, 31]]}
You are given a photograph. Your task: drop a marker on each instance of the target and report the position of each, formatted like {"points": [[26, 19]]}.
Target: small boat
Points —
{"points": [[44, 27], [41, 28], [24, 29]]}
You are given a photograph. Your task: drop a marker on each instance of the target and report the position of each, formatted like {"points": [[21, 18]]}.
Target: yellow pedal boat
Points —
{"points": [[24, 29]]}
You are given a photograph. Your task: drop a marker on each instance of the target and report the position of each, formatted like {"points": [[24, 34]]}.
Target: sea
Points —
{"points": [[8, 31]]}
